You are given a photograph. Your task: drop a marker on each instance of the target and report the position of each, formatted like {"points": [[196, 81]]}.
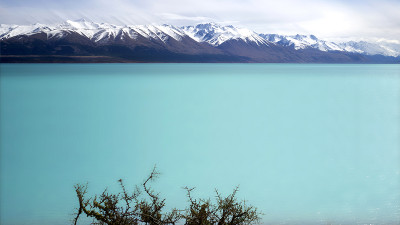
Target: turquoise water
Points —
{"points": [[308, 144]]}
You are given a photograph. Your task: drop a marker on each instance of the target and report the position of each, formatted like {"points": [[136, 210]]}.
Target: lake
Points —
{"points": [[306, 143]]}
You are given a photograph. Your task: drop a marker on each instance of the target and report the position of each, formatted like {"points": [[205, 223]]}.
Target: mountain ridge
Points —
{"points": [[206, 42]]}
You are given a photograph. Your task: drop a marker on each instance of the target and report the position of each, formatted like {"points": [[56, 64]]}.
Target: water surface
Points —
{"points": [[307, 143]]}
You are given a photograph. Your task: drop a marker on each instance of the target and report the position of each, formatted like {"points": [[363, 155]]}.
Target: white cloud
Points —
{"points": [[184, 20], [335, 18]]}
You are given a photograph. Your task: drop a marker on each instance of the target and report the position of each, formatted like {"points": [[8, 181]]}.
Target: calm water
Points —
{"points": [[312, 144]]}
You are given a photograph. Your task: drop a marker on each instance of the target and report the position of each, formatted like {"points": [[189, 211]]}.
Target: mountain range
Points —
{"points": [[87, 41]]}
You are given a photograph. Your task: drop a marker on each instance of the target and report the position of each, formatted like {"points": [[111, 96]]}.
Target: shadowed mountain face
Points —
{"points": [[85, 41]]}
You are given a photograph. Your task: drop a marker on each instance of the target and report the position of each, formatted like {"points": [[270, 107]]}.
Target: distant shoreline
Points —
{"points": [[109, 59]]}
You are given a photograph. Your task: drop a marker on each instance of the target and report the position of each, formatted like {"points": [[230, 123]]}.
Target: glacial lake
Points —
{"points": [[306, 143]]}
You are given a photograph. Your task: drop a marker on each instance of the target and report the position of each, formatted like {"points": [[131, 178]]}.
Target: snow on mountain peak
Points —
{"points": [[80, 24], [98, 32], [8, 31], [302, 42], [216, 34], [377, 48], [212, 33]]}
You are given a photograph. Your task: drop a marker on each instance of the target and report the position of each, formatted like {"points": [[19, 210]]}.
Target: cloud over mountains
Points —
{"points": [[326, 19]]}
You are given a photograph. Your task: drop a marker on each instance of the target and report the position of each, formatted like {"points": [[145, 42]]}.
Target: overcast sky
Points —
{"points": [[326, 19]]}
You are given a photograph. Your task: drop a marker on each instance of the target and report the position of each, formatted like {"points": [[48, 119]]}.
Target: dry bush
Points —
{"points": [[126, 208], [226, 211]]}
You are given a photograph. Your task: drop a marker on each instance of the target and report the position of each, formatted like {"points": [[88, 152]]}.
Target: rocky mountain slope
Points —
{"points": [[86, 41]]}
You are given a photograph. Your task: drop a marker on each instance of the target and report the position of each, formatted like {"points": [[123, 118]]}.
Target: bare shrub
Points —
{"points": [[126, 208]]}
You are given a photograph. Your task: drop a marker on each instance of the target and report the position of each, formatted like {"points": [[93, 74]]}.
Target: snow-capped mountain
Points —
{"points": [[202, 42], [302, 41], [211, 33], [216, 34], [310, 41], [96, 32], [378, 48], [9, 31]]}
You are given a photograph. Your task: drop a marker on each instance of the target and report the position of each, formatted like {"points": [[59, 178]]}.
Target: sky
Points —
{"points": [[324, 18]]}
